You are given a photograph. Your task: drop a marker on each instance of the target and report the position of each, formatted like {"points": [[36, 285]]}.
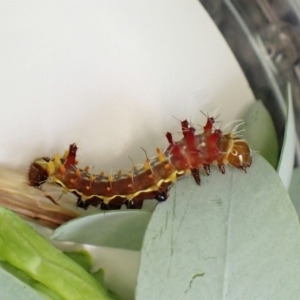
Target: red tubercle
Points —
{"points": [[71, 158], [209, 125], [188, 133], [191, 146], [185, 127], [169, 138], [174, 152]]}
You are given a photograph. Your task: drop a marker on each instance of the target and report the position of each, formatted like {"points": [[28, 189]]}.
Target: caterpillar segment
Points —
{"points": [[194, 152]]}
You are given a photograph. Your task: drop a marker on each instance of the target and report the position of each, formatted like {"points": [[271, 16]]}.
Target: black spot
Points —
{"points": [[130, 204], [161, 196]]}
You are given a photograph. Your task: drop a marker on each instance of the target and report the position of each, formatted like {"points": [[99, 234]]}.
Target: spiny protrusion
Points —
{"points": [[169, 138], [57, 160], [196, 175], [160, 155], [110, 178], [208, 127], [146, 164], [71, 157]]}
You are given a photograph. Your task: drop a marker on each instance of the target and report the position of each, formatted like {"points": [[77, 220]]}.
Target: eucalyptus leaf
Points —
{"points": [[260, 132], [13, 287], [44, 292], [84, 259], [235, 237], [116, 229], [287, 155], [294, 190], [121, 268]]}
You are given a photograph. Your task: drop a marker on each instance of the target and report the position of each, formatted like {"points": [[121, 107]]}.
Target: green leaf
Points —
{"points": [[235, 237], [116, 229], [116, 237], [22, 247], [83, 258], [260, 132]]}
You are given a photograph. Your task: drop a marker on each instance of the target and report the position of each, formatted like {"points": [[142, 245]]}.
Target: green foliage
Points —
{"points": [[24, 249]]}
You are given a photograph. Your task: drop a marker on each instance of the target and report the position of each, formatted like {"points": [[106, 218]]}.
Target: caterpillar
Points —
{"points": [[188, 155]]}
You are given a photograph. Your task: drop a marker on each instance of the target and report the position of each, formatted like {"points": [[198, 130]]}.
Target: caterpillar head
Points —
{"points": [[41, 168], [38, 173], [239, 155]]}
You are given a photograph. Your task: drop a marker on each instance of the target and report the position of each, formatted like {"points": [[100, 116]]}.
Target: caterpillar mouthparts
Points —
{"points": [[188, 155]]}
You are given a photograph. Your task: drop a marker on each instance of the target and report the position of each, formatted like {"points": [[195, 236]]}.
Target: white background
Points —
{"points": [[110, 76]]}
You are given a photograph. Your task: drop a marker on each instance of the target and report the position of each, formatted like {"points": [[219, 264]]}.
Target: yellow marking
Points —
{"points": [[225, 160], [102, 174], [57, 161], [86, 169], [110, 178], [50, 167], [171, 179], [146, 165], [62, 169], [77, 173], [129, 174], [92, 177], [119, 173], [160, 155], [66, 154], [167, 166]]}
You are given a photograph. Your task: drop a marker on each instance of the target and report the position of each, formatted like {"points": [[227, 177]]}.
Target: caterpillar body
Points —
{"points": [[188, 155]]}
